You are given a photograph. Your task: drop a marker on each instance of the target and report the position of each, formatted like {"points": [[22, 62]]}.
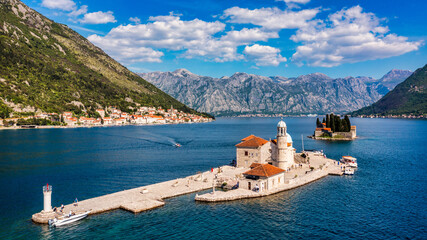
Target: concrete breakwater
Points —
{"points": [[142, 198]]}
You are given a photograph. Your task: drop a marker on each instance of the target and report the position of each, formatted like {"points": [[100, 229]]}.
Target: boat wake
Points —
{"points": [[153, 138]]}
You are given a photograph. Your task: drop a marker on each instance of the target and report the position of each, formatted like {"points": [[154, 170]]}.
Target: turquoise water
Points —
{"points": [[386, 199]]}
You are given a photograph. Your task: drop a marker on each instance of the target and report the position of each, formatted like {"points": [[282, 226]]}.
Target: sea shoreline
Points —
{"points": [[95, 126]]}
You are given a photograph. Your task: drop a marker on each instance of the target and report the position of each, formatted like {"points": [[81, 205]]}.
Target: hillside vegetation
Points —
{"points": [[46, 66], [409, 97]]}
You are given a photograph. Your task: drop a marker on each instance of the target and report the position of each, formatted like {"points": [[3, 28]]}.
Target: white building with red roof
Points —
{"points": [[101, 112], [70, 121], [108, 121], [262, 177]]}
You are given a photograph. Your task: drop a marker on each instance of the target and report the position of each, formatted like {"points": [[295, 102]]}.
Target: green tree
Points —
{"points": [[337, 121], [318, 122], [328, 121], [347, 123]]}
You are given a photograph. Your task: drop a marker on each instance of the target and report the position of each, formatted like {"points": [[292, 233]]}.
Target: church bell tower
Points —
{"points": [[281, 145]]}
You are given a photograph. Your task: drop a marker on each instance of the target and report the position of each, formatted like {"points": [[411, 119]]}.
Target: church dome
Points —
{"points": [[281, 124], [288, 138]]}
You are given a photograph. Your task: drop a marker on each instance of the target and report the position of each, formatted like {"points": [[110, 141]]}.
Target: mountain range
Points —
{"points": [[244, 93], [408, 97], [46, 66]]}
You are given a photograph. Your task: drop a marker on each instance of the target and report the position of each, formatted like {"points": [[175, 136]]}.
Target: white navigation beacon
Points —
{"points": [[47, 198]]}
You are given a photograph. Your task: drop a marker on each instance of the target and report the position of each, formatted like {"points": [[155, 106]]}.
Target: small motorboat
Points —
{"points": [[349, 161], [56, 222], [348, 171], [177, 145]]}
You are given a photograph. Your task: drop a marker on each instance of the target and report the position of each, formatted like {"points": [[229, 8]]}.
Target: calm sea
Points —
{"points": [[386, 199]]}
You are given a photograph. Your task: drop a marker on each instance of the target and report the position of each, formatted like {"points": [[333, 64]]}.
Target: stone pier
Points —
{"points": [[143, 198]]}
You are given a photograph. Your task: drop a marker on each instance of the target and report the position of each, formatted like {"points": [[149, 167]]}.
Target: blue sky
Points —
{"points": [[266, 37]]}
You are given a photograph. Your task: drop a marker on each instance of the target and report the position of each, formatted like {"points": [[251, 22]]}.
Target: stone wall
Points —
{"points": [[254, 155]]}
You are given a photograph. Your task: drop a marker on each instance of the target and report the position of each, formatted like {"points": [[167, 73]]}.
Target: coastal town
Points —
{"points": [[111, 116]]}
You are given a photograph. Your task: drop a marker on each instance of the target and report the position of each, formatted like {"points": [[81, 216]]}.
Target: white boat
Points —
{"points": [[67, 219], [349, 161], [348, 171], [177, 145]]}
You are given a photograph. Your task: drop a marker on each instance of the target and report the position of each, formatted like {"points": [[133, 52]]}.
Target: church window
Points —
{"points": [[246, 153]]}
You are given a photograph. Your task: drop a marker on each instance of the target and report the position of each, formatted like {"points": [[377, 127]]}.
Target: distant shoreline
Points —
{"points": [[95, 126], [332, 139]]}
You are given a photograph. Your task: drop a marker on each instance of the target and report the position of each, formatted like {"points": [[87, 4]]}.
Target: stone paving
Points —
{"points": [[294, 178], [144, 198]]}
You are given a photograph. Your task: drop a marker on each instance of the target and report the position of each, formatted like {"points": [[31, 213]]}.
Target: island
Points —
{"points": [[262, 167], [334, 128]]}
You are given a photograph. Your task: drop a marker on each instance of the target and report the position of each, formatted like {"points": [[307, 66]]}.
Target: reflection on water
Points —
{"points": [[385, 199]]}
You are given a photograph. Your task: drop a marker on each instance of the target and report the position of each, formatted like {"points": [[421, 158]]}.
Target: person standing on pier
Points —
{"points": [[76, 202]]}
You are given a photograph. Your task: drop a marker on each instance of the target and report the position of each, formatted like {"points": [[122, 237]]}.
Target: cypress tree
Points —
{"points": [[337, 124], [328, 122], [323, 121], [347, 123], [332, 122], [318, 123]]}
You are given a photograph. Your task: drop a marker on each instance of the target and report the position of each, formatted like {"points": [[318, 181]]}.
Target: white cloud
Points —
{"points": [[264, 55], [194, 38], [66, 5], [99, 17], [270, 18], [136, 20], [127, 53], [249, 35], [82, 10], [348, 36], [293, 3]]}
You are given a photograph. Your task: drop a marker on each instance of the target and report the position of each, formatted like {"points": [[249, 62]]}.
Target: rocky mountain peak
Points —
{"points": [[395, 74], [314, 77], [184, 73]]}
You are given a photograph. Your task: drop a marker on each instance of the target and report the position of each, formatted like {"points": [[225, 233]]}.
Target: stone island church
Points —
{"points": [[278, 152], [268, 160]]}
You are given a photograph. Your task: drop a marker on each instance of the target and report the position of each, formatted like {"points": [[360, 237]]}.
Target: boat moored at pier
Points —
{"points": [[349, 161], [70, 218]]}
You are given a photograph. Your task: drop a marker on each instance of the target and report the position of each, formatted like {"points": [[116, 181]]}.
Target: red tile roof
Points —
{"points": [[248, 137], [253, 142], [254, 165], [264, 170]]}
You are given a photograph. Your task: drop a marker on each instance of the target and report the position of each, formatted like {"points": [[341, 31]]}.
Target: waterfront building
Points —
{"points": [[101, 112], [278, 152], [108, 121], [262, 177], [71, 121], [120, 121]]}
